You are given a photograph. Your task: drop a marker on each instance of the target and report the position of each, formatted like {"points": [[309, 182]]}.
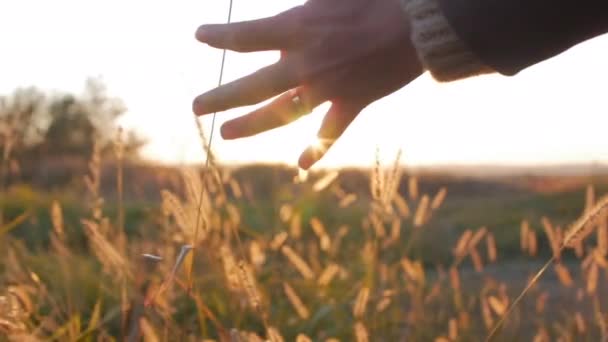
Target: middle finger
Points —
{"points": [[254, 88]]}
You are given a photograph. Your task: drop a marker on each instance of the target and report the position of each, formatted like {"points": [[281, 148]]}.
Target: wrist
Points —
{"points": [[439, 48]]}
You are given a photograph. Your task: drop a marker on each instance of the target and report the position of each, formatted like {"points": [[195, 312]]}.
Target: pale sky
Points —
{"points": [[145, 51]]}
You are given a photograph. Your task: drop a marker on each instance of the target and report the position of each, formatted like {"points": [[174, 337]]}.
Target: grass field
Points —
{"points": [[380, 255]]}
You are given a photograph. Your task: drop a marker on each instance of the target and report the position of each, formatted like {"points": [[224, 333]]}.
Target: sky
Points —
{"points": [[552, 113]]}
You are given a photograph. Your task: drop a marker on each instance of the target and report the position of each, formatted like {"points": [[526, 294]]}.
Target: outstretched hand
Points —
{"points": [[349, 52]]}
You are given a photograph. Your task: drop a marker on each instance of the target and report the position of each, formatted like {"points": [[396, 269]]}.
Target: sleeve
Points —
{"points": [[440, 49], [511, 35]]}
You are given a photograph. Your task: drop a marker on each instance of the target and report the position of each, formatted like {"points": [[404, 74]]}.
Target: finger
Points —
{"points": [[273, 33], [257, 87], [282, 111], [337, 119]]}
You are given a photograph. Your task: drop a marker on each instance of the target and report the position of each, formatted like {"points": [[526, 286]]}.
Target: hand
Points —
{"points": [[349, 52]]}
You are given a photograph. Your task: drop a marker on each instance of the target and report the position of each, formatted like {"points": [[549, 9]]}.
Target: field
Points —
{"points": [[141, 252]]}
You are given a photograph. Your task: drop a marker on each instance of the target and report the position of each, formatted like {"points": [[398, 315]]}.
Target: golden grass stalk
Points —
{"points": [[172, 206], [499, 307], [433, 293], [377, 178], [455, 279], [413, 270], [296, 302], [286, 212], [247, 282], [298, 262], [256, 254], [532, 243], [16, 222], [421, 215], [541, 302], [551, 236], [278, 241], [439, 198], [338, 191], [295, 226], [147, 331], [313, 256], [581, 327], [541, 336], [236, 188], [599, 259], [231, 271], [491, 247], [302, 176], [328, 274], [378, 225], [325, 181], [559, 235], [395, 229], [563, 275], [587, 261], [584, 226], [476, 259], [347, 200], [392, 181], [592, 278], [383, 304], [524, 235], [361, 302], [119, 153], [233, 214], [338, 237], [476, 238], [361, 334], [461, 248], [22, 303], [412, 186], [402, 206], [58, 238], [274, 335], [105, 251], [319, 229], [453, 329], [486, 314], [57, 219], [602, 235], [303, 338]]}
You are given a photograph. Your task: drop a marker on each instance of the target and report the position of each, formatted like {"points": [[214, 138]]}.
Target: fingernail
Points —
{"points": [[197, 107], [227, 133], [305, 161], [202, 33]]}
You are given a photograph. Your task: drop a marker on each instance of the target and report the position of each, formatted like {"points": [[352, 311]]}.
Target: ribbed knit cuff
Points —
{"points": [[439, 48]]}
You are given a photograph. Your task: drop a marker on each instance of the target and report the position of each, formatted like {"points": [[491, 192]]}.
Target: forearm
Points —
{"points": [[461, 38]]}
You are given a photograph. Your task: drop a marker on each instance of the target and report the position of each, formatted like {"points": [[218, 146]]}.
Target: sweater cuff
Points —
{"points": [[439, 48]]}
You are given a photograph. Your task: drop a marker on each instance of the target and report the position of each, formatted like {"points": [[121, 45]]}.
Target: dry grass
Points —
{"points": [[208, 273]]}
